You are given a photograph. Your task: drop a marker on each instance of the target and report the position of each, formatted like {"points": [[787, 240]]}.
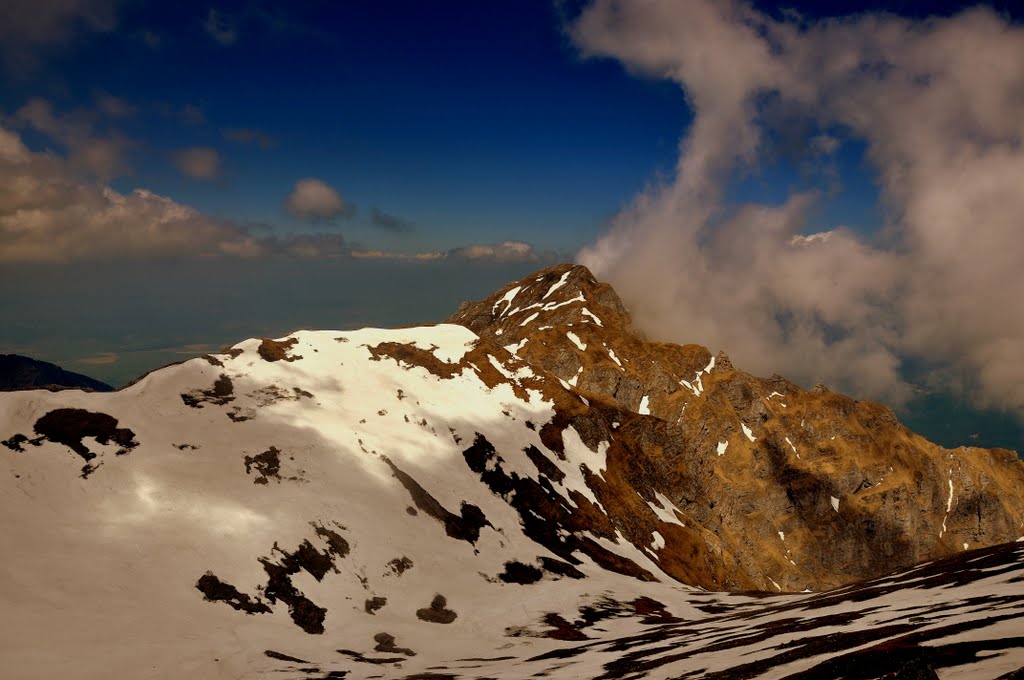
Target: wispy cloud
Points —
{"points": [[48, 213], [382, 220], [938, 103], [102, 359], [88, 150], [313, 200], [248, 136], [200, 163], [29, 28], [220, 27]]}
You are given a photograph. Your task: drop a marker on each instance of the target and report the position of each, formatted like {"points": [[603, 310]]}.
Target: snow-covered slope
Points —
{"points": [[409, 503]]}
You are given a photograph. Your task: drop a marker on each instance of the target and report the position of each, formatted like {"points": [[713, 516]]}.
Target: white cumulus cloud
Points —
{"points": [[938, 104]]}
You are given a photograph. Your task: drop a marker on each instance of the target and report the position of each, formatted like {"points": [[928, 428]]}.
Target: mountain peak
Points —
{"points": [[561, 295], [749, 458], [538, 493]]}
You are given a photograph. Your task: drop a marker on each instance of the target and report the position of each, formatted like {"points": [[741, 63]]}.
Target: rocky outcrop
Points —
{"points": [[740, 482]]}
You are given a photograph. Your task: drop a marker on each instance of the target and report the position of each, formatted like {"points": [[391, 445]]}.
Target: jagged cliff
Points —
{"points": [[774, 487]]}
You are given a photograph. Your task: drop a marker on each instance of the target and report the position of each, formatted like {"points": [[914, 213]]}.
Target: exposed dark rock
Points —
{"points": [[464, 527], [386, 643], [15, 442], [266, 464], [400, 565], [373, 604], [438, 611], [221, 393], [282, 657], [215, 590], [523, 574], [69, 426]]}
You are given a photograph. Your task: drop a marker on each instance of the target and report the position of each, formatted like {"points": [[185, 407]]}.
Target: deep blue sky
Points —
{"points": [[471, 121]]}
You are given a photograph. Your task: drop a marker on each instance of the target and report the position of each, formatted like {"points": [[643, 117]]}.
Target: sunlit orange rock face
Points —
{"points": [[732, 481]]}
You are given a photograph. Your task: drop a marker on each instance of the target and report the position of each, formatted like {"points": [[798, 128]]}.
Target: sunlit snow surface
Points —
{"points": [[301, 464]]}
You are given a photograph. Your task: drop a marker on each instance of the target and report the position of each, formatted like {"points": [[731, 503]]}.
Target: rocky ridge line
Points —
{"points": [[765, 485]]}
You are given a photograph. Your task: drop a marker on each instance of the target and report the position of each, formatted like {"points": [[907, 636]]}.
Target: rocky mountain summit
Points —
{"points": [[528, 490], [774, 487]]}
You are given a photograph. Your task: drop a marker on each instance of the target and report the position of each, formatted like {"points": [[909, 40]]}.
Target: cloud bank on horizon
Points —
{"points": [[938, 286], [52, 210]]}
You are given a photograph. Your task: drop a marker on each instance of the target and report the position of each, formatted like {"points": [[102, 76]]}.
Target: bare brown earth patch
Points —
{"points": [[222, 392], [69, 426], [278, 350], [438, 611], [409, 355]]}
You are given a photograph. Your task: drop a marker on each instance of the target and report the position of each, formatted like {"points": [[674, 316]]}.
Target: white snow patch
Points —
{"points": [[711, 365], [507, 299], [611, 353], [645, 409], [949, 503], [777, 587], [748, 432], [499, 331], [835, 503], [690, 387], [551, 306], [722, 446], [529, 318], [514, 349], [557, 284], [587, 312], [965, 546], [782, 535], [576, 341], [667, 510], [659, 541]]}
